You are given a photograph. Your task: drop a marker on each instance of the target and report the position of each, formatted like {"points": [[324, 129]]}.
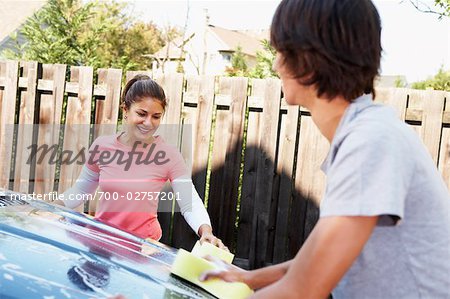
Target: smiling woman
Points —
{"points": [[143, 103]]}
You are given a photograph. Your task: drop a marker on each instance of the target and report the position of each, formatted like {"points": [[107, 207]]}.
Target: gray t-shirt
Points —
{"points": [[377, 165]]}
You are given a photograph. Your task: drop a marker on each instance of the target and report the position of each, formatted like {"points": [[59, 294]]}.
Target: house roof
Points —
{"points": [[172, 50], [258, 34], [248, 40], [14, 13], [234, 38]]}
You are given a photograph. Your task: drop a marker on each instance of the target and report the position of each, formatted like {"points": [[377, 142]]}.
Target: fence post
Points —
{"points": [[77, 126], [232, 163], [106, 109], [195, 145], [444, 155], [248, 198], [25, 130], [202, 131], [49, 119], [9, 71], [309, 182], [265, 172], [170, 129], [285, 169]]}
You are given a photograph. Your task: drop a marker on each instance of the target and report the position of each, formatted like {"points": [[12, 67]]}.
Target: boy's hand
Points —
{"points": [[224, 271]]}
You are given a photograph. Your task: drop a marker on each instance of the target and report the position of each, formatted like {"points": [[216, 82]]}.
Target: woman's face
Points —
{"points": [[143, 119]]}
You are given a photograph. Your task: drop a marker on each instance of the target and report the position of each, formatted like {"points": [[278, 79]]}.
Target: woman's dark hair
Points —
{"points": [[142, 86], [332, 44]]}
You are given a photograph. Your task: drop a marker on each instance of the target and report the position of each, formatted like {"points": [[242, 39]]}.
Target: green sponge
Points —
{"points": [[189, 266]]}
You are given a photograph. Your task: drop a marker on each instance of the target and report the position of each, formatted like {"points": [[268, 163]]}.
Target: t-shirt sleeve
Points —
{"points": [[176, 167], [92, 156], [369, 176]]}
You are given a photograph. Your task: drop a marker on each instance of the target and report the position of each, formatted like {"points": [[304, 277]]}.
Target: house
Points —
{"points": [[390, 81], [13, 15], [208, 52]]}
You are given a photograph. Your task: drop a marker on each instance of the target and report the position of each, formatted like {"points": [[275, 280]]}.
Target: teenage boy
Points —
{"points": [[384, 227]]}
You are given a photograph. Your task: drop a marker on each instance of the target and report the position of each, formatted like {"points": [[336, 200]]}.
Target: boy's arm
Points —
{"points": [[332, 247], [260, 278], [255, 279]]}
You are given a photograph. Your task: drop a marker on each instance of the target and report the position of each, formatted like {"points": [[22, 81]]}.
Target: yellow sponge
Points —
{"points": [[202, 250], [189, 265]]}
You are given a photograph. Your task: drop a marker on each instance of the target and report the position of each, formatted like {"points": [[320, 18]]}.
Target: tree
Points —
{"points": [[444, 5], [441, 7], [238, 64], [400, 82], [170, 35], [98, 34], [51, 33], [264, 62], [440, 81]]}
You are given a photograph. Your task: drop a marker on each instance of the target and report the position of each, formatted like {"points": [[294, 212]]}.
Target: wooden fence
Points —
{"points": [[255, 158]]}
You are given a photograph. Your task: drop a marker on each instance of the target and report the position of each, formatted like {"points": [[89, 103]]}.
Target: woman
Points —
{"points": [[132, 167]]}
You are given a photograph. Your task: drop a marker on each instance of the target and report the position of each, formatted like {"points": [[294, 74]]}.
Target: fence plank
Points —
{"points": [[202, 131], [248, 196], [265, 171], [235, 126], [313, 149], [50, 110], [216, 181], [183, 235], [25, 129], [309, 182], [285, 168], [196, 132], [433, 106], [9, 70], [173, 88], [106, 110], [221, 136], [170, 129], [394, 97], [77, 129], [444, 155]]}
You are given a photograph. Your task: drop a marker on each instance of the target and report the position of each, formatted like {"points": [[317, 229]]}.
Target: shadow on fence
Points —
{"points": [[264, 230]]}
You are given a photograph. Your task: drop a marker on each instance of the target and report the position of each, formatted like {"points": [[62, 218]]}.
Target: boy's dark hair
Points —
{"points": [[333, 44], [142, 86]]}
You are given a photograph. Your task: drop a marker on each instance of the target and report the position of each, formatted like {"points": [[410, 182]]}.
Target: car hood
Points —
{"points": [[49, 251]]}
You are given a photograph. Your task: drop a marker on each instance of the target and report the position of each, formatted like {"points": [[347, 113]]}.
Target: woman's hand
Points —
{"points": [[206, 235]]}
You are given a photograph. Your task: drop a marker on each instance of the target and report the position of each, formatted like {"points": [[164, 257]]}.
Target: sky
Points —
{"points": [[415, 44]]}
